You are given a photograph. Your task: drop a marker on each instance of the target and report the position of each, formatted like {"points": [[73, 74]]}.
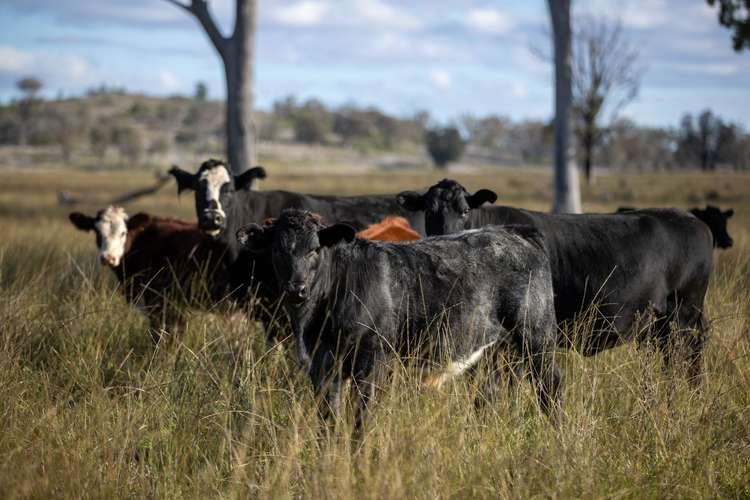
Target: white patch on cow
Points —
{"points": [[456, 368], [113, 231], [215, 178]]}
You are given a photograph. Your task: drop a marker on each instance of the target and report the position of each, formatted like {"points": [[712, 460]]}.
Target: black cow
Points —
{"points": [[224, 203], [353, 303], [654, 261], [713, 217], [716, 220]]}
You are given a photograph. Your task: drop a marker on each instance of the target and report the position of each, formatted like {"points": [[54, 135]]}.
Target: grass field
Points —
{"points": [[88, 408]]}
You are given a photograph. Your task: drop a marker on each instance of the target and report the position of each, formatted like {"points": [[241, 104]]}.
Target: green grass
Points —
{"points": [[88, 408]]}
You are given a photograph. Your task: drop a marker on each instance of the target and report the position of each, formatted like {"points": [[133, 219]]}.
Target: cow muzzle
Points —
{"points": [[109, 260], [725, 242], [296, 292], [212, 222]]}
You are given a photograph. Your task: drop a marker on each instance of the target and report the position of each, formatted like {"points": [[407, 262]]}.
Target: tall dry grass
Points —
{"points": [[90, 409]]}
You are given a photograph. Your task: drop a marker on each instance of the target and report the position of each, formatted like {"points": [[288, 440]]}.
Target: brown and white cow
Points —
{"points": [[164, 265]]}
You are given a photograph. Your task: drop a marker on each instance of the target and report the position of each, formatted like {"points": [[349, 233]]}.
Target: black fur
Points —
{"points": [[366, 300], [643, 261], [716, 220], [713, 217]]}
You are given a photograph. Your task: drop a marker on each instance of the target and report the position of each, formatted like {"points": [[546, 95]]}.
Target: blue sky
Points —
{"points": [[448, 57]]}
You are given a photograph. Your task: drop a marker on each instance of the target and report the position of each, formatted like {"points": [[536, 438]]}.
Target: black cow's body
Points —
{"points": [[715, 218], [237, 205], [646, 261], [353, 302]]}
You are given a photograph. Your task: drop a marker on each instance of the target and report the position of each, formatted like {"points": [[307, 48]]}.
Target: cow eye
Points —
{"points": [[465, 213]]}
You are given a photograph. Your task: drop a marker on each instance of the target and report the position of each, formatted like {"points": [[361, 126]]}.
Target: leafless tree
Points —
{"points": [[606, 76], [567, 189], [237, 53], [30, 86]]}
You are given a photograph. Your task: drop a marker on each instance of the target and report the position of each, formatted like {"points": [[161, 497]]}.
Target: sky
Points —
{"points": [[449, 57]]}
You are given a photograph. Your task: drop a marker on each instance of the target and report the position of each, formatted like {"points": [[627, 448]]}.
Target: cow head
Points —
{"points": [[215, 188], [716, 220], [111, 226], [446, 205], [296, 240]]}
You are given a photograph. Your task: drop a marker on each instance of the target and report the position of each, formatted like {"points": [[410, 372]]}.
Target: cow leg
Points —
{"points": [[548, 379], [325, 375], [689, 339], [503, 373], [681, 336], [368, 373], [538, 352], [697, 335]]}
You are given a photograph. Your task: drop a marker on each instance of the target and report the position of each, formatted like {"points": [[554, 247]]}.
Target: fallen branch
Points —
{"points": [[161, 180], [68, 198]]}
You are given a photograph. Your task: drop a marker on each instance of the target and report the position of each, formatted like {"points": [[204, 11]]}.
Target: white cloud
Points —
{"points": [[13, 60], [49, 67], [519, 90], [711, 69], [392, 46], [378, 12], [305, 13], [488, 20], [73, 73], [169, 81], [441, 79]]}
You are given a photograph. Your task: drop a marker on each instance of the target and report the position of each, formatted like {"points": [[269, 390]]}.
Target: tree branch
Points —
{"points": [[179, 4], [199, 10]]}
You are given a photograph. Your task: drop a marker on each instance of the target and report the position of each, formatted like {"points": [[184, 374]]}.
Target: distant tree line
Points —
{"points": [[112, 125]]}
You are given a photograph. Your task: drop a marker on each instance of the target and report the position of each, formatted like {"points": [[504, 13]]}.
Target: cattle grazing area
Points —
{"points": [[91, 407]]}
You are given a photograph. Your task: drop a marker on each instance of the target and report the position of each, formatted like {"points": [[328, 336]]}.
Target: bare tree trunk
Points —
{"points": [[237, 52], [587, 162], [588, 150], [567, 189], [238, 64]]}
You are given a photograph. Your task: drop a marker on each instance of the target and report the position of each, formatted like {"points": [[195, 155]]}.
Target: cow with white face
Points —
{"points": [[214, 186], [224, 203], [111, 228]]}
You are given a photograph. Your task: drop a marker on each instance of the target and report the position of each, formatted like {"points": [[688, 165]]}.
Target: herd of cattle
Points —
{"points": [[359, 283]]}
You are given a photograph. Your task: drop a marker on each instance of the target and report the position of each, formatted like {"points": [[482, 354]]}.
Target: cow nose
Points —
{"points": [[297, 290], [217, 218], [214, 217], [109, 260]]}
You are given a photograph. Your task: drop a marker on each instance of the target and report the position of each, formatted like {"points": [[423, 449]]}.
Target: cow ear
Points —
{"points": [[331, 235], [729, 213], [480, 197], [82, 221], [411, 201], [138, 220], [247, 179], [254, 238], [185, 180]]}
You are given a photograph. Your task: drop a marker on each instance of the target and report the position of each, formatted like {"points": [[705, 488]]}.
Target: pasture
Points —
{"points": [[90, 408]]}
